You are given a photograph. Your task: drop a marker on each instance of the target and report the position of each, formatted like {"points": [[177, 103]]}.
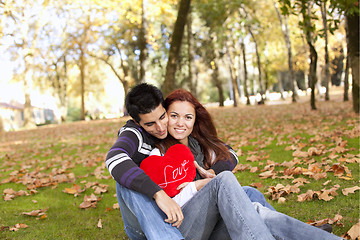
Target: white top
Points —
{"points": [[186, 193]]}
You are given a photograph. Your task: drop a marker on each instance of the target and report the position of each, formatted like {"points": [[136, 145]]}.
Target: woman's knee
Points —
{"points": [[227, 177]]}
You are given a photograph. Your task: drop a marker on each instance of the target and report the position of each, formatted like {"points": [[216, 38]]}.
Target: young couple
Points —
{"points": [[221, 209]]}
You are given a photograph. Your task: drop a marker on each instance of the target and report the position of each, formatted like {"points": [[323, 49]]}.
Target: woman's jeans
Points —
{"points": [[220, 210]]}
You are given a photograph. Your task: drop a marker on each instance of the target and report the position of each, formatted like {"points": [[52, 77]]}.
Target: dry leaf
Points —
{"points": [[18, 226], [257, 185], [75, 190], [99, 224], [354, 232], [89, 202], [267, 174], [346, 191], [35, 213], [325, 196]]}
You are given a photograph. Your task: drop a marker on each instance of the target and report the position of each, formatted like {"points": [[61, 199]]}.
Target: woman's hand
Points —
{"points": [[205, 173], [182, 186], [200, 183]]}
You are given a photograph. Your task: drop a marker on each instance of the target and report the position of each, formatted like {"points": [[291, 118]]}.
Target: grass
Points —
{"points": [[79, 149]]}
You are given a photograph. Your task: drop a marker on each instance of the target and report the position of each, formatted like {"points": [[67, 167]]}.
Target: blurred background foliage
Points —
{"points": [[84, 56]]}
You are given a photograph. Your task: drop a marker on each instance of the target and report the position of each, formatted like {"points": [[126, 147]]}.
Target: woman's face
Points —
{"points": [[181, 120]]}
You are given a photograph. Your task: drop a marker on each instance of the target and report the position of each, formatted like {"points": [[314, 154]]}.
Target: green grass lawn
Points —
{"points": [[39, 159]]}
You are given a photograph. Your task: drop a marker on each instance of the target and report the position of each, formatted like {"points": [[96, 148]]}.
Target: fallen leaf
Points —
{"points": [[18, 226], [318, 176], [39, 212], [99, 224], [89, 201], [346, 191], [257, 185], [325, 196], [253, 158], [75, 190], [354, 232], [268, 174]]}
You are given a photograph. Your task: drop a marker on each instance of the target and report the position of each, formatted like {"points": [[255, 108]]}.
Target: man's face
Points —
{"points": [[155, 122]]}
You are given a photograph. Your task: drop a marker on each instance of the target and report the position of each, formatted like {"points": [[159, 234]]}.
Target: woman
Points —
{"points": [[192, 125], [225, 207]]}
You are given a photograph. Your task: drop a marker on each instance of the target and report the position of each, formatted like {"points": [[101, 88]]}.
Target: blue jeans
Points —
{"points": [[220, 210], [142, 217], [134, 204]]}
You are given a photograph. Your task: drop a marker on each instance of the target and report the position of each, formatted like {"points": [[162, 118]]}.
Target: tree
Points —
{"points": [[353, 27], [304, 8], [286, 34], [245, 74], [327, 67], [234, 87], [190, 54], [26, 21], [176, 40], [142, 42], [350, 8], [347, 62]]}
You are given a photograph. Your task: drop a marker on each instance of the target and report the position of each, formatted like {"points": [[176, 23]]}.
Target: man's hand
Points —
{"points": [[205, 173], [170, 208]]}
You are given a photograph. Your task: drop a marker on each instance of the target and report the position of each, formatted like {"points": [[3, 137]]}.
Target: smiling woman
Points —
{"points": [[181, 120]]}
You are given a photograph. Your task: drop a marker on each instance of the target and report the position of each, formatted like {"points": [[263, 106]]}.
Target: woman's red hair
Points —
{"points": [[204, 130]]}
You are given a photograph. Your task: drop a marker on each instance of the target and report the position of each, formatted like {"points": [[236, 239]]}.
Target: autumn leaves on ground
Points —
{"points": [[54, 183]]}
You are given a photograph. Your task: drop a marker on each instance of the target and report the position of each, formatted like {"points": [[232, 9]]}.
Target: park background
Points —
{"points": [[281, 79]]}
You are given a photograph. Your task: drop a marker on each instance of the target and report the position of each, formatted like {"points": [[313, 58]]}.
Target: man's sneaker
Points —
{"points": [[325, 227]]}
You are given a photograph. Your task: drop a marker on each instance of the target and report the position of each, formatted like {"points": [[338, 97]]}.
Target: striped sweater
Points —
{"points": [[132, 146]]}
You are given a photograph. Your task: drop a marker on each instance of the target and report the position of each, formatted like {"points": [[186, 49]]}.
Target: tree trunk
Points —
{"points": [[327, 71], [286, 34], [238, 80], [258, 65], [245, 74], [353, 27], [190, 54], [218, 84], [142, 43], [346, 79], [59, 84], [29, 121], [281, 88], [82, 83], [235, 90], [169, 83], [313, 54]]}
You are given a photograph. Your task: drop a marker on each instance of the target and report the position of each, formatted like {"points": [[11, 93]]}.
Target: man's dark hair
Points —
{"points": [[142, 99]]}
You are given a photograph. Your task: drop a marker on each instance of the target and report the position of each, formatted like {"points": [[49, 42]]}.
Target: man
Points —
{"points": [[144, 104]]}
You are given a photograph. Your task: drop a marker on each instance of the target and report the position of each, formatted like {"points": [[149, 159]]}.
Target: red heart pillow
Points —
{"points": [[169, 171]]}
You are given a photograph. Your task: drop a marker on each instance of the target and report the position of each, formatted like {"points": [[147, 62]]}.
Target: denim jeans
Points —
{"points": [[137, 203], [220, 210]]}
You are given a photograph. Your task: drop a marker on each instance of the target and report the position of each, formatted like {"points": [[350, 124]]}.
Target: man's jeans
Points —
{"points": [[220, 210]]}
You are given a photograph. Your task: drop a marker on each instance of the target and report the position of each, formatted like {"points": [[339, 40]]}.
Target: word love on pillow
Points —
{"points": [[172, 169]]}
